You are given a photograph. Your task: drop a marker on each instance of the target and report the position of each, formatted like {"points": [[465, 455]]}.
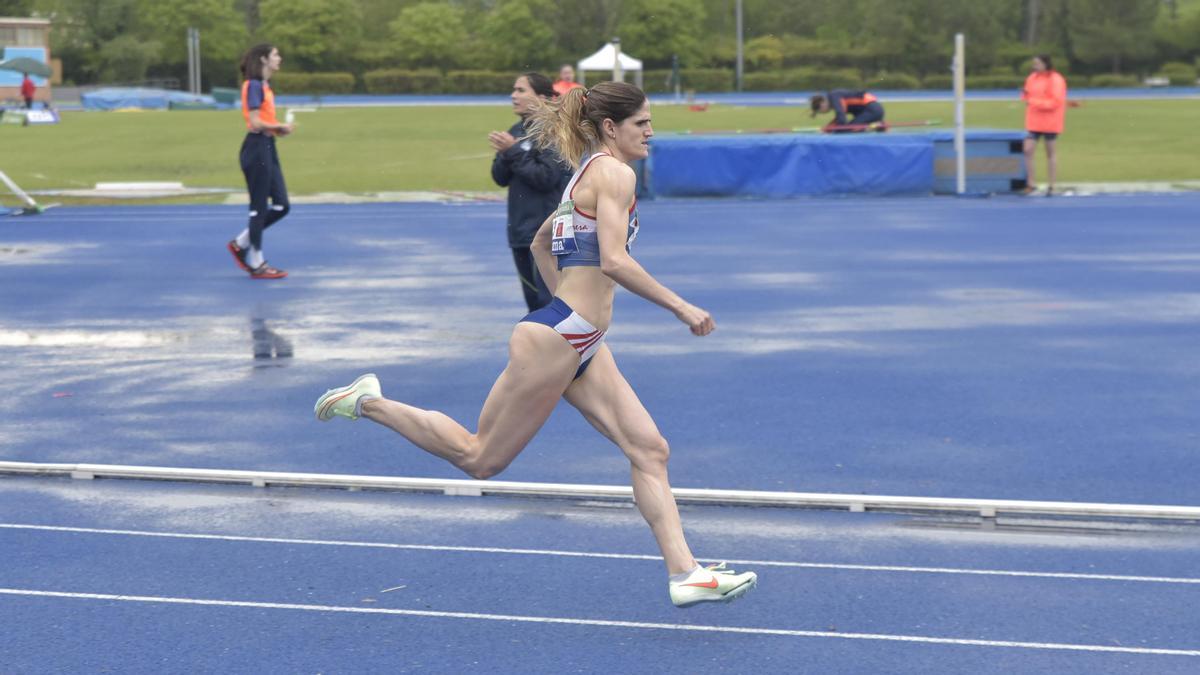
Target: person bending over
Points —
{"points": [[866, 109]]}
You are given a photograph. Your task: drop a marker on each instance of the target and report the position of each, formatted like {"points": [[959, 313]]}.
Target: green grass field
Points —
{"points": [[360, 150]]}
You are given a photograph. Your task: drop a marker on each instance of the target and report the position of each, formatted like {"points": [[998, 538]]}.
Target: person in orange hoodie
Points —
{"points": [[1045, 96]]}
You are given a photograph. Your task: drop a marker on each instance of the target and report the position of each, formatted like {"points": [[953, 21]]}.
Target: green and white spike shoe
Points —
{"points": [[344, 400]]}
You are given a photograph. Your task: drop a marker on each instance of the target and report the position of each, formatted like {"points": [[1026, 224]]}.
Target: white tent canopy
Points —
{"points": [[606, 59]]}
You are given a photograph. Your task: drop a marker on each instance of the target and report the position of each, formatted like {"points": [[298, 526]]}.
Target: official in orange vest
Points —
{"points": [[260, 162], [1045, 96], [866, 108]]}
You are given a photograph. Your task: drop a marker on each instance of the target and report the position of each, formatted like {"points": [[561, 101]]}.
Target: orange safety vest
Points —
{"points": [[266, 111], [862, 101]]}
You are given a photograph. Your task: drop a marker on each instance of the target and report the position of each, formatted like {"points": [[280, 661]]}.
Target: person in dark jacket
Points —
{"points": [[535, 180], [867, 110]]}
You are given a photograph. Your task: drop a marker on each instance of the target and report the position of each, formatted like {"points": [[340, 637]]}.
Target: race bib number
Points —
{"points": [[562, 229]]}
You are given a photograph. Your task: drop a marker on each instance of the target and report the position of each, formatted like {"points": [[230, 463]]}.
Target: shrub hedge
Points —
{"points": [[695, 79], [1180, 74], [894, 81], [477, 82], [764, 82], [995, 81], [657, 82], [429, 81], [808, 79], [313, 83], [1110, 80], [707, 79], [397, 81], [938, 82]]}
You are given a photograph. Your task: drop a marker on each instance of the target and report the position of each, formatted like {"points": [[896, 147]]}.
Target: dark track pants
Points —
{"points": [[264, 180]]}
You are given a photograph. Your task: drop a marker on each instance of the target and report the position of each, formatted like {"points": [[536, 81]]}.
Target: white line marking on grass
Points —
{"points": [[604, 623], [618, 556]]}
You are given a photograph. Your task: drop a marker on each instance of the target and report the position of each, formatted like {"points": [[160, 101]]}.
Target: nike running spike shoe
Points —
{"points": [[714, 583], [343, 400]]}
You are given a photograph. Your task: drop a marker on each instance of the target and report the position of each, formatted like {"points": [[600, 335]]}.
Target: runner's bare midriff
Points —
{"points": [[589, 292]]}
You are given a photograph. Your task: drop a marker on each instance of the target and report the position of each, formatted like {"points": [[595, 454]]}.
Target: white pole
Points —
{"points": [[618, 72], [740, 59], [16, 190], [199, 86], [960, 129], [191, 59]]}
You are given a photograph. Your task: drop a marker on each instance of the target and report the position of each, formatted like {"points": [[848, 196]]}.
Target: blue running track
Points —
{"points": [[985, 348]]}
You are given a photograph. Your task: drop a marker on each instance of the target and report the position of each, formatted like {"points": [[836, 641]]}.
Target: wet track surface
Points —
{"points": [[1002, 348], [954, 348]]}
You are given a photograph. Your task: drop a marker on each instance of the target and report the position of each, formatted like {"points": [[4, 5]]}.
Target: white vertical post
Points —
{"points": [[191, 58], [960, 130], [675, 77], [618, 72], [193, 42], [740, 54], [191, 45], [199, 86]]}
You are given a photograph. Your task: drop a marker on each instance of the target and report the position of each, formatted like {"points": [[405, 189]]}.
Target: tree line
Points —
{"points": [[131, 40]]}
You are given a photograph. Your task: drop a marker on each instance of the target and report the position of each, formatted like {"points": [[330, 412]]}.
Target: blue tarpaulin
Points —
{"points": [[789, 165], [115, 98], [794, 164]]}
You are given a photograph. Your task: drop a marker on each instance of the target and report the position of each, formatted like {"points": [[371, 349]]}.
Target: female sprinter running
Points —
{"points": [[260, 162], [559, 350]]}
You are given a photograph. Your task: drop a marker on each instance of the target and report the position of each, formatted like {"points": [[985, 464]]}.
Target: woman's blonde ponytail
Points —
{"points": [[562, 124]]}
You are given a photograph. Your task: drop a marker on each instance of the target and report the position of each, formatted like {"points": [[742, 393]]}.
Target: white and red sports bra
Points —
{"points": [[579, 246]]}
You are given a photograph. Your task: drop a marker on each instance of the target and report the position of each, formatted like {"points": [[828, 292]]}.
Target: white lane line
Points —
{"points": [[605, 623], [618, 556]]}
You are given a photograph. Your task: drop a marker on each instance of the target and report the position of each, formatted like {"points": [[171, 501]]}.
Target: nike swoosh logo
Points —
{"points": [[711, 583]]}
